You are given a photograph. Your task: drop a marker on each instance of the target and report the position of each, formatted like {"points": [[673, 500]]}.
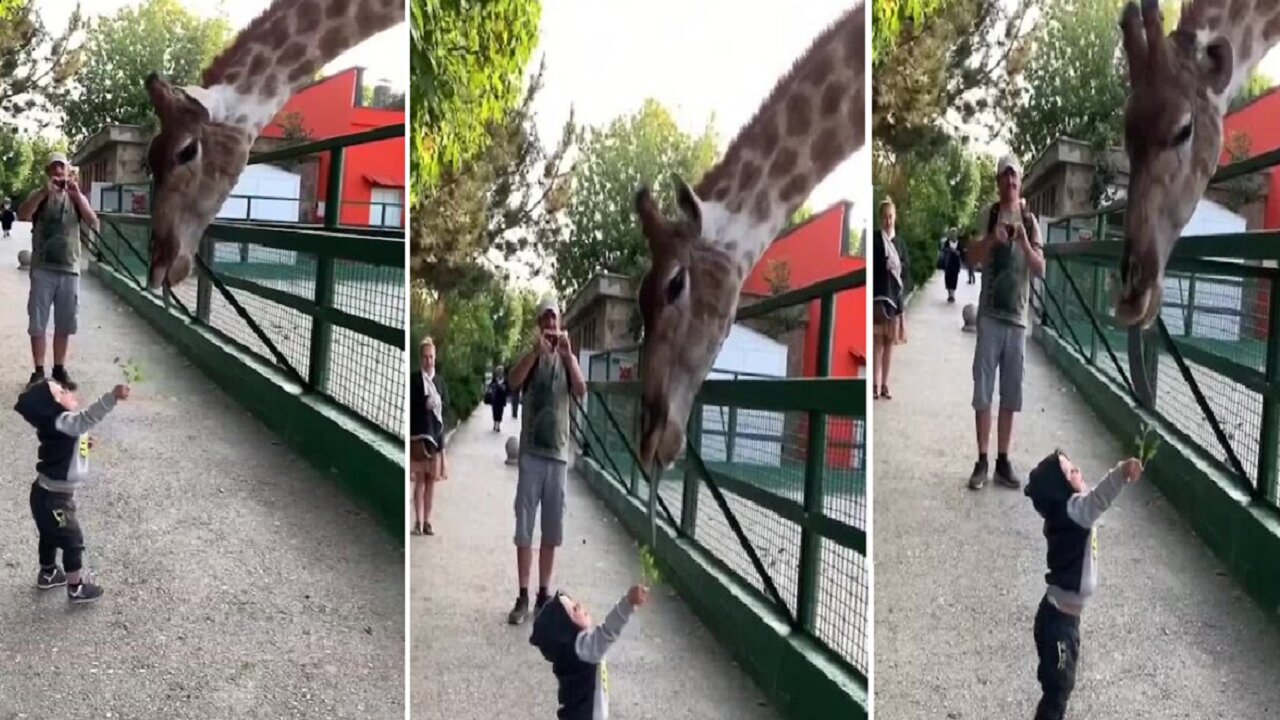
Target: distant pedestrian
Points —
{"points": [[889, 276], [428, 400], [951, 264], [7, 217], [496, 396]]}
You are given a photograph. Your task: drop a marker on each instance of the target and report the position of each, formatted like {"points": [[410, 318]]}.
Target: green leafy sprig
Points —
{"points": [[649, 567], [1147, 443], [132, 371]]}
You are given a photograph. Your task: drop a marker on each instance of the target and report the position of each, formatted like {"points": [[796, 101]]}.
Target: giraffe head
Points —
{"points": [[686, 299], [1173, 136], [194, 163]]}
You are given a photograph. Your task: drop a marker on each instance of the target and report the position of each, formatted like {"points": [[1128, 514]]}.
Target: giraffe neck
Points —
{"points": [[1251, 26], [282, 50], [811, 122]]}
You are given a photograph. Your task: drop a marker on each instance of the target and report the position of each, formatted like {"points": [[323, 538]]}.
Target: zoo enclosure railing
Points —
{"points": [[325, 306], [776, 490], [1212, 360]]}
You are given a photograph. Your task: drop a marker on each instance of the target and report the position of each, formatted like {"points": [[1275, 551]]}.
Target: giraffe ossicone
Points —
{"points": [[206, 131], [814, 118]]}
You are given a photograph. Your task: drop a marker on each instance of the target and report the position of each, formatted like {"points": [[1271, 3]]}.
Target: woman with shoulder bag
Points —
{"points": [[427, 401], [888, 283]]}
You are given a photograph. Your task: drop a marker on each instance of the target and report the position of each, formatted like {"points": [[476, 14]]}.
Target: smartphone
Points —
{"points": [[62, 184]]}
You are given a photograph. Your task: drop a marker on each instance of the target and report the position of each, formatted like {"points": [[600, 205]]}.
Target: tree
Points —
{"points": [[498, 204], [646, 147], [157, 35], [1255, 86], [467, 59], [32, 62], [1075, 81], [956, 71], [889, 18]]}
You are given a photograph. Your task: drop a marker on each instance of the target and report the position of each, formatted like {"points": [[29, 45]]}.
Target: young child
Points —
{"points": [[1070, 510], [63, 466], [563, 632]]}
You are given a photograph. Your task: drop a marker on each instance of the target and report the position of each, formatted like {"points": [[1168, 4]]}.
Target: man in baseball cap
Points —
{"points": [[545, 376], [55, 213]]}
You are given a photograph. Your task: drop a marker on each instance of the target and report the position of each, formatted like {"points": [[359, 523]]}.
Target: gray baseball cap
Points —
{"points": [[547, 304]]}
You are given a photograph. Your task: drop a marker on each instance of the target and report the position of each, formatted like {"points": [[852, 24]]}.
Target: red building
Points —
{"points": [[373, 174], [823, 247]]}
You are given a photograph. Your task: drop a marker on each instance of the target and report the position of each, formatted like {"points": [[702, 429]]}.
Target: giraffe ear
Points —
{"points": [[652, 222], [205, 97], [689, 203], [1217, 64]]}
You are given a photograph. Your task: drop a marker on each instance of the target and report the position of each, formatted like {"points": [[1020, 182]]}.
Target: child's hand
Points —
{"points": [[638, 595], [121, 392], [1132, 469]]}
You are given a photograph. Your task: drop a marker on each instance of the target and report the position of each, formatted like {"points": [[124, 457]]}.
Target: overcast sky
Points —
{"points": [[385, 54]]}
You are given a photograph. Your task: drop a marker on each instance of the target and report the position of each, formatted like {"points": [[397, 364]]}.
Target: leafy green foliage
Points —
{"points": [[22, 161], [646, 147], [889, 18], [33, 63], [120, 50], [467, 59], [1255, 86], [959, 68], [1147, 443], [498, 204], [649, 567], [934, 192], [131, 370]]}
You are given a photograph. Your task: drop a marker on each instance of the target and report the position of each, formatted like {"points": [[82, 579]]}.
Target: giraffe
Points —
{"points": [[812, 120], [206, 130], [1180, 86]]}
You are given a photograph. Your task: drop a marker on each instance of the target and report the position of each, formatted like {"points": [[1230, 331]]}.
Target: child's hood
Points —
{"points": [[1048, 488], [37, 405], [553, 629]]}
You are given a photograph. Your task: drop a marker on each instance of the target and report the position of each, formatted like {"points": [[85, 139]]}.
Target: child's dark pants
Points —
{"points": [[1058, 646], [55, 516]]}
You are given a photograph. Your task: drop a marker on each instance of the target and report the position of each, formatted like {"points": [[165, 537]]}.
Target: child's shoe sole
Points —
{"points": [[52, 585]]}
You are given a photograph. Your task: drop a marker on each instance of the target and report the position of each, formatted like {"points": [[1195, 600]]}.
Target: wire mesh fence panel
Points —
{"points": [[367, 375], [843, 606], [844, 478], [288, 329], [285, 270], [775, 540]]}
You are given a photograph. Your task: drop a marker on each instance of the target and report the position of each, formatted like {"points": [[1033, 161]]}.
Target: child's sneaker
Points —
{"points": [[86, 592], [51, 579]]}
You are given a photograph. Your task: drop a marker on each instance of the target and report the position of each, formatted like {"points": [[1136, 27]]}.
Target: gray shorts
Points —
{"points": [[1001, 347], [541, 480], [57, 291]]}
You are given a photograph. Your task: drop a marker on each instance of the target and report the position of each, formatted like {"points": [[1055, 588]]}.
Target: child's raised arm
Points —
{"points": [[592, 645], [1084, 510], [76, 424]]}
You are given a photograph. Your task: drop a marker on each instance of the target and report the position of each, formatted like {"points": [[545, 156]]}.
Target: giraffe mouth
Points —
{"points": [[1141, 288]]}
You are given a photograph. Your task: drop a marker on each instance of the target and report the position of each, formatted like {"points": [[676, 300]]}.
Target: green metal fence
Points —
{"points": [[1212, 360], [326, 306], [775, 488]]}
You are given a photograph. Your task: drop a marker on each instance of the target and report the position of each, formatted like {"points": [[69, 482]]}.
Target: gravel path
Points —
{"points": [[240, 582], [958, 574], [468, 664]]}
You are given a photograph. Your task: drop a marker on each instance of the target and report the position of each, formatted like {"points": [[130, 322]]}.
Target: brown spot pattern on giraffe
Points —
{"points": [[826, 146], [760, 209], [784, 161], [292, 53], [337, 9], [793, 190], [304, 70], [748, 175], [307, 17], [1272, 28], [271, 85], [333, 41], [832, 95], [258, 64], [799, 115]]}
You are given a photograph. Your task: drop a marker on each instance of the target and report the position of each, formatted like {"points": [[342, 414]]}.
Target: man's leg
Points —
{"points": [[39, 304], [529, 481], [1011, 367], [553, 493], [66, 312], [986, 360]]}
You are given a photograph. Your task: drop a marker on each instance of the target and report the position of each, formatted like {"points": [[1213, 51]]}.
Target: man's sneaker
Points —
{"points": [[36, 377], [63, 379], [85, 592], [51, 579], [1004, 475], [520, 612], [979, 476]]}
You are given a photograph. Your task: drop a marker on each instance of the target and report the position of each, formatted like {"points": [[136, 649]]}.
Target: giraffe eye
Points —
{"points": [[675, 286], [188, 152], [1184, 134]]}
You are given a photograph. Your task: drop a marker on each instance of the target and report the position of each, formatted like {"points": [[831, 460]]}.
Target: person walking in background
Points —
{"points": [[951, 264], [428, 400], [889, 277], [547, 374], [7, 217], [496, 396], [966, 242], [514, 393]]}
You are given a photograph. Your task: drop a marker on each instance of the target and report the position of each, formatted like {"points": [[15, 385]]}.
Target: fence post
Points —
{"points": [[321, 331], [814, 468], [204, 287], [689, 502], [1270, 439], [333, 198]]}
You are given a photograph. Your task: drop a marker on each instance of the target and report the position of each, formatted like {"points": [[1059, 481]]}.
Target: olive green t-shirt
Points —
{"points": [[1006, 279], [55, 236], [544, 428]]}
